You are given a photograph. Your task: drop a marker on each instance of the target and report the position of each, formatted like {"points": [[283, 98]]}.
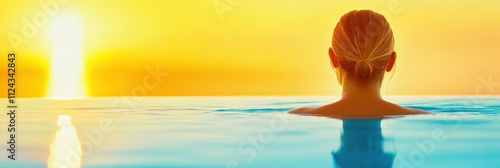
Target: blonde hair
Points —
{"points": [[363, 42]]}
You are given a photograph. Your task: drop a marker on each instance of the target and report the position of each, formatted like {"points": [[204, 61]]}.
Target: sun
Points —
{"points": [[67, 64]]}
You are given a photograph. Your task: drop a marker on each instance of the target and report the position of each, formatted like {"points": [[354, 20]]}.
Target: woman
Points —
{"points": [[362, 51]]}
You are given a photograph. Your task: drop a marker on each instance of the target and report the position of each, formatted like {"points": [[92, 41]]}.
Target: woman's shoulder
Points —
{"points": [[301, 110], [417, 111], [326, 110], [339, 110], [395, 109]]}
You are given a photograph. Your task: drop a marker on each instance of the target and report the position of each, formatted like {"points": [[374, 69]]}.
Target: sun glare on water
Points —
{"points": [[66, 70], [65, 149]]}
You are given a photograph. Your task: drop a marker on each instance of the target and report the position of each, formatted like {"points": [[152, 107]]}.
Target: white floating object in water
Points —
{"points": [[65, 149], [64, 120]]}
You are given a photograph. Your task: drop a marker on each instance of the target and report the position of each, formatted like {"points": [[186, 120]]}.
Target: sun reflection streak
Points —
{"points": [[65, 150], [67, 63]]}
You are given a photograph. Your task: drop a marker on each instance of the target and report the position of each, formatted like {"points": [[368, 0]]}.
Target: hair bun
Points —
{"points": [[363, 69]]}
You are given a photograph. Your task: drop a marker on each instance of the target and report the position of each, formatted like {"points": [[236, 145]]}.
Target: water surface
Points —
{"points": [[253, 132]]}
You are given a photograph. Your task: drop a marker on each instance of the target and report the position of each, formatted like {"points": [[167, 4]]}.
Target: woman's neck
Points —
{"points": [[361, 91]]}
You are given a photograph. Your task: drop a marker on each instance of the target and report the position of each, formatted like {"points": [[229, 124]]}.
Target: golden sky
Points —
{"points": [[254, 47]]}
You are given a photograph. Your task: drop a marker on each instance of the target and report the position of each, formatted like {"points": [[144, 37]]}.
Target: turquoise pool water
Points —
{"points": [[247, 132]]}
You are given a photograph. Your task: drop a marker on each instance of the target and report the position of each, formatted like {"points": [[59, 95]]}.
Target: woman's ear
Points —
{"points": [[333, 58], [391, 61]]}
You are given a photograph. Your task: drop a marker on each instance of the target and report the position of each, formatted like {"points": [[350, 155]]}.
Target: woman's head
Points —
{"points": [[362, 47]]}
